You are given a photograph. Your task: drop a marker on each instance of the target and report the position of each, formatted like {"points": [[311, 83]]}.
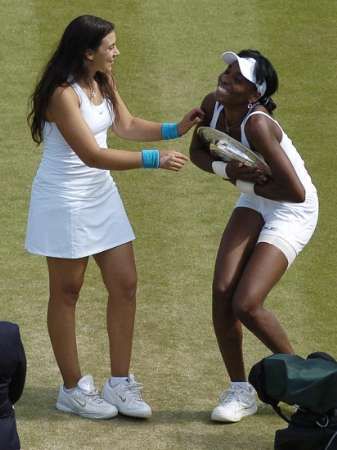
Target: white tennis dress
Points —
{"points": [[75, 210]]}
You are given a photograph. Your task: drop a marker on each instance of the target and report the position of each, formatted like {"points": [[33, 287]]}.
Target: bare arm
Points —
{"points": [[64, 111], [135, 128], [199, 149], [284, 184]]}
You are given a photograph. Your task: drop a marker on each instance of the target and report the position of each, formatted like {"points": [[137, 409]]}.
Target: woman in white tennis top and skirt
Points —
{"points": [[76, 211], [274, 218]]}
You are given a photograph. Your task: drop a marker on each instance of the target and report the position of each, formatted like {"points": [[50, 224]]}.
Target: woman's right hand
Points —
{"points": [[239, 171], [172, 160]]}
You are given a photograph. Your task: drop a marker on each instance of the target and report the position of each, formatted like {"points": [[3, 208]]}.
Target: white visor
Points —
{"points": [[247, 69]]}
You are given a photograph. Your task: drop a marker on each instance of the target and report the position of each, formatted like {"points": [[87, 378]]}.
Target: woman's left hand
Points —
{"points": [[190, 119], [239, 171], [172, 160]]}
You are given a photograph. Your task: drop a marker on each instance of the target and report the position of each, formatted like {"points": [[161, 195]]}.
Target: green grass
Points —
{"points": [[169, 60]]}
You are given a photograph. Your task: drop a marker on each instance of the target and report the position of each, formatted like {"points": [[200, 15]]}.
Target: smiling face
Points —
{"points": [[105, 55], [234, 89]]}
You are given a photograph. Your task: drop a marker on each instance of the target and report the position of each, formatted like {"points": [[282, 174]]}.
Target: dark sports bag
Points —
{"points": [[311, 384]]}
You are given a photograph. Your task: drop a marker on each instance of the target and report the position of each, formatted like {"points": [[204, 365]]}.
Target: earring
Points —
{"points": [[250, 105]]}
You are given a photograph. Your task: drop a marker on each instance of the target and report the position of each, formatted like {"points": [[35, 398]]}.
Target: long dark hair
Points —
{"points": [[264, 71], [67, 63]]}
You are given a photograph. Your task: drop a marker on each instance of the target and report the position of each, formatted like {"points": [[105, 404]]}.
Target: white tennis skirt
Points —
{"points": [[70, 224]]}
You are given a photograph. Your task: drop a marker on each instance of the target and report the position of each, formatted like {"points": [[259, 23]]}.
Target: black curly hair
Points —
{"points": [[264, 70]]}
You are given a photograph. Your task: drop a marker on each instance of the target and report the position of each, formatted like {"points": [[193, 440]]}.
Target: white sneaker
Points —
{"points": [[85, 401], [126, 397], [234, 404]]}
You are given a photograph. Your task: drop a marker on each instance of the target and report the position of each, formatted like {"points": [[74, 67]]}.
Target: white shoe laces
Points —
{"points": [[134, 390], [92, 396], [228, 396]]}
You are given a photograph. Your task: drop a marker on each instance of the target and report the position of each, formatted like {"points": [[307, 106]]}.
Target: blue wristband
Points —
{"points": [[169, 131], [151, 158]]}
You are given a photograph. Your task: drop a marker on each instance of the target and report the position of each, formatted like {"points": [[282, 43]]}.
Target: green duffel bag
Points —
{"points": [[311, 385]]}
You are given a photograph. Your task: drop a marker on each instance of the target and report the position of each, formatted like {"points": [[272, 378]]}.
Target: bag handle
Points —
{"points": [[331, 441]]}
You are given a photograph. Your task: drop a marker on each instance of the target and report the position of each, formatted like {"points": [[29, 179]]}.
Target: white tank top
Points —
{"points": [[286, 145], [60, 167]]}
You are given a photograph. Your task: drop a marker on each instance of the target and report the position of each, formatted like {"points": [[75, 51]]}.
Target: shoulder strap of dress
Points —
{"points": [[217, 110], [258, 112], [244, 139], [78, 90]]}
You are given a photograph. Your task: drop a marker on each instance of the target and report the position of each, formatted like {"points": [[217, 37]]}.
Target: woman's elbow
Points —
{"points": [[90, 162], [125, 129], [298, 195], [91, 157], [300, 198]]}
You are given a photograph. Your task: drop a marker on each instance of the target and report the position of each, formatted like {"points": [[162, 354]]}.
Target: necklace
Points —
{"points": [[229, 128], [92, 93], [90, 89]]}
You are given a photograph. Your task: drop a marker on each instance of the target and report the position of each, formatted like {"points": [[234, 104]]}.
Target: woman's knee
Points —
{"points": [[222, 310], [129, 288], [246, 311], [125, 288], [222, 292], [67, 294], [66, 278]]}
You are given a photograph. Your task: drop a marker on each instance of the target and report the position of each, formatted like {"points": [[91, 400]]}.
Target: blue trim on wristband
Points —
{"points": [[169, 131], [151, 158]]}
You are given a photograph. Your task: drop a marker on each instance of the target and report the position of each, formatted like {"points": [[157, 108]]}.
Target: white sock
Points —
{"points": [[113, 381], [240, 385], [69, 391]]}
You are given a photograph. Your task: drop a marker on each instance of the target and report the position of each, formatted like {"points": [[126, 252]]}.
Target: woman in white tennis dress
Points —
{"points": [[273, 219], [76, 211]]}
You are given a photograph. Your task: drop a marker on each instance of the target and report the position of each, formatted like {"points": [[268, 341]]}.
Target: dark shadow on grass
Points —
{"points": [[203, 417], [181, 417], [37, 403]]}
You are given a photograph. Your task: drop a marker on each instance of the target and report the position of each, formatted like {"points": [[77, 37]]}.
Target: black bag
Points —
{"points": [[308, 431], [311, 384]]}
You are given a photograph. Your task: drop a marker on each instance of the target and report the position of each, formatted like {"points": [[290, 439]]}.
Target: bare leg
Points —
{"points": [[65, 281], [236, 246], [119, 275], [263, 270]]}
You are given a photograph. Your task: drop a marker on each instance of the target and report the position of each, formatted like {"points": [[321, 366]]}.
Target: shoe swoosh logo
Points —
{"points": [[82, 403], [266, 227]]}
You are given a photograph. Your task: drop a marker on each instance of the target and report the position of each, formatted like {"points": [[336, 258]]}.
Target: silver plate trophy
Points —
{"points": [[227, 148]]}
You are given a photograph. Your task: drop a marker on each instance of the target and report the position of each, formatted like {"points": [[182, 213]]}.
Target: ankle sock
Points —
{"points": [[69, 391], [113, 381], [240, 385]]}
